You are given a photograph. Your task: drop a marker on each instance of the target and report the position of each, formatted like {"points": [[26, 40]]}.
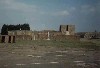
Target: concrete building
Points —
{"points": [[67, 29]]}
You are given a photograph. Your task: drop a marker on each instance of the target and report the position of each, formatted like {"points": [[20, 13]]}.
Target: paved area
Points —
{"points": [[28, 57]]}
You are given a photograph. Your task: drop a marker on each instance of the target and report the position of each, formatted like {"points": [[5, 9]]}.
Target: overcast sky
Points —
{"points": [[50, 14]]}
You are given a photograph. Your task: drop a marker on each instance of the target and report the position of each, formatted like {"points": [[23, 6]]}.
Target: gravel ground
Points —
{"points": [[48, 57]]}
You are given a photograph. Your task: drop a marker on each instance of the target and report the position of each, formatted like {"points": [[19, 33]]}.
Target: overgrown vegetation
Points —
{"points": [[6, 28]]}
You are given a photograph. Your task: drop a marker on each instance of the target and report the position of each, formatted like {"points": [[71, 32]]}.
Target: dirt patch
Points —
{"points": [[29, 56]]}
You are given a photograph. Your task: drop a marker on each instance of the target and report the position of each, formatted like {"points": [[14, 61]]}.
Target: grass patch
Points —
{"points": [[62, 43], [56, 43]]}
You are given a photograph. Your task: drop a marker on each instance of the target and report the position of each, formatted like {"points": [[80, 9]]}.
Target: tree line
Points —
{"points": [[6, 28]]}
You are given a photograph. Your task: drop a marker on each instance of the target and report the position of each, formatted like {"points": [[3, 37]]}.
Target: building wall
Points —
{"points": [[43, 35], [71, 29], [7, 39], [22, 34], [53, 35], [63, 29], [67, 29]]}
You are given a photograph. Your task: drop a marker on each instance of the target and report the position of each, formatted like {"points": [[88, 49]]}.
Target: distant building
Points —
{"points": [[67, 29], [92, 35], [21, 34], [65, 32], [7, 38]]}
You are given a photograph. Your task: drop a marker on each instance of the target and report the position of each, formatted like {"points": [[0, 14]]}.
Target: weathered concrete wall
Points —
{"points": [[43, 35], [23, 37], [40, 35], [67, 29], [54, 35], [71, 29], [65, 37], [63, 29], [7, 39], [22, 34]]}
